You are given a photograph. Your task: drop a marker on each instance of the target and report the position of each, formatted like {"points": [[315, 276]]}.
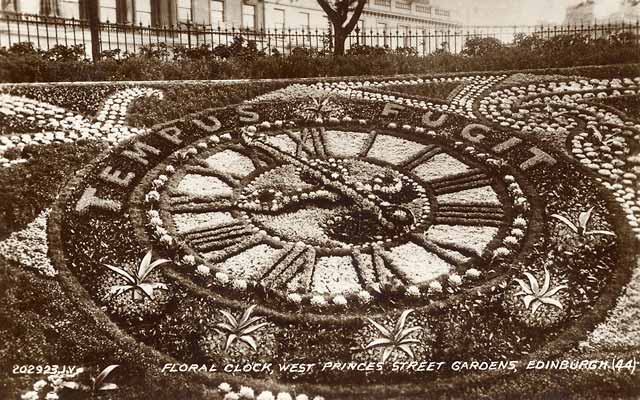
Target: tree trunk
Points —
{"points": [[94, 29], [340, 39]]}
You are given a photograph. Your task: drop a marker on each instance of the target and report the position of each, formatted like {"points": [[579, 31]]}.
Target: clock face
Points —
{"points": [[481, 242], [328, 211]]}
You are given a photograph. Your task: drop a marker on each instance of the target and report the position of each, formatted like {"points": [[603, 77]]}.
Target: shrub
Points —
{"points": [[243, 59]]}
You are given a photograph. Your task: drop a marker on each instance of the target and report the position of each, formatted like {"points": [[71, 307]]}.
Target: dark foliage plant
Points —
{"points": [[242, 58]]}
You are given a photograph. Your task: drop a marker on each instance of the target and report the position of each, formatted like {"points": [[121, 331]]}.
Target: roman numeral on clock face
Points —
{"points": [[471, 179], [188, 203], [217, 237], [384, 269], [207, 171], [310, 141], [296, 262], [453, 255], [430, 151], [474, 214]]}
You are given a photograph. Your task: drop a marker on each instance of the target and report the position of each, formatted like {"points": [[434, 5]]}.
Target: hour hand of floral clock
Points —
{"points": [[330, 180]]}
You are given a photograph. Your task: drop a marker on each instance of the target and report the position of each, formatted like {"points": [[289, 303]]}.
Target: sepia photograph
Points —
{"points": [[319, 199]]}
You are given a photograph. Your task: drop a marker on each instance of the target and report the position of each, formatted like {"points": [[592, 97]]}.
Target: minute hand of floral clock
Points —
{"points": [[327, 178]]}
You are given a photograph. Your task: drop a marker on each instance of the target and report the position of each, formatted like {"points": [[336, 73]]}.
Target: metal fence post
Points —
{"points": [[189, 33]]}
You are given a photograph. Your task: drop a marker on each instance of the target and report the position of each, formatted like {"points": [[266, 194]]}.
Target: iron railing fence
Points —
{"points": [[121, 39]]}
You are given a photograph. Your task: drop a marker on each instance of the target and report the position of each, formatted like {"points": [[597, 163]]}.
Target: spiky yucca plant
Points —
{"points": [[137, 282], [396, 338], [318, 106], [98, 383], [241, 329], [535, 295], [580, 227]]}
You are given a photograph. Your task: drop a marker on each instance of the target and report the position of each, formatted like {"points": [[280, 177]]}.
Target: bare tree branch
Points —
{"points": [[338, 12]]}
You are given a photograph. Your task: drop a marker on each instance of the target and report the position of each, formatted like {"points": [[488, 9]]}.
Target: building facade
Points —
{"points": [[379, 15], [590, 11]]}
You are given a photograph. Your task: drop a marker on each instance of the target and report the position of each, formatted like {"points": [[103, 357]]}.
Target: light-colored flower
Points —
{"points": [[231, 396], [501, 252], [472, 273], [152, 196], [246, 392], [413, 291], [364, 296], [340, 300], [166, 239], [203, 270], [222, 278], [266, 395], [455, 280], [302, 397], [51, 396], [318, 300], [31, 395], [170, 169], [284, 396], [189, 260], [39, 385], [156, 221], [435, 286], [294, 298], [239, 284], [225, 387]]}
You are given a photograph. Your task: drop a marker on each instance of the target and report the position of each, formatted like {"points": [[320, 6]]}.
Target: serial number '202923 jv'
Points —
{"points": [[44, 369]]}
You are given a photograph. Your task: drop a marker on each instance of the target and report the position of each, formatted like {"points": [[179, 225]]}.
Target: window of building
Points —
{"points": [[184, 11], [403, 4], [217, 12], [305, 20], [143, 12], [49, 7], [442, 13], [26, 7], [248, 16], [108, 11], [423, 9], [278, 19], [403, 31], [381, 34], [382, 3]]}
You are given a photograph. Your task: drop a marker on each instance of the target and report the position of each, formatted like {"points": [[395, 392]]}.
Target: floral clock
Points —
{"points": [[358, 238], [324, 211]]}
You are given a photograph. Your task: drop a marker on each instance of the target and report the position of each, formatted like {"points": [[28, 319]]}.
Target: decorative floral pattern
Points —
{"points": [[343, 206]]}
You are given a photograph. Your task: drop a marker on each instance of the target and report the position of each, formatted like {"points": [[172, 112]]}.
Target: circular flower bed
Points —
{"points": [[360, 230]]}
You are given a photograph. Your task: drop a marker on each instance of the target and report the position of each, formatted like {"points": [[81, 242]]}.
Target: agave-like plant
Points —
{"points": [[535, 295], [580, 227], [241, 329], [98, 383], [318, 106], [396, 338], [137, 282]]}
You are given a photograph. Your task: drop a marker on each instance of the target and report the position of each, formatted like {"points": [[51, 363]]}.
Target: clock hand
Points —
{"points": [[387, 214]]}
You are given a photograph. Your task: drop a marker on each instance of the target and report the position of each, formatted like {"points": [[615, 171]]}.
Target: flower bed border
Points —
{"points": [[619, 280]]}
